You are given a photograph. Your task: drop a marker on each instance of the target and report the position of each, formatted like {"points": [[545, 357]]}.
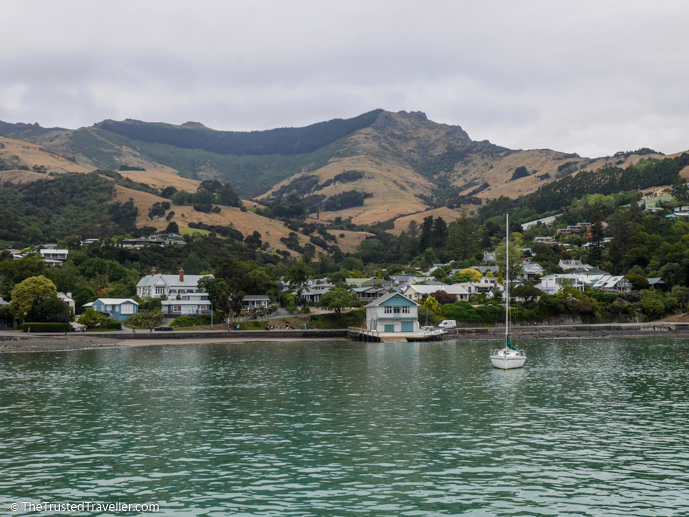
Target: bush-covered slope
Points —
{"points": [[285, 141]]}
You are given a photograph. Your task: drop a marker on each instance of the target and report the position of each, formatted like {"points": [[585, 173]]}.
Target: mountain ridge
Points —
{"points": [[399, 164]]}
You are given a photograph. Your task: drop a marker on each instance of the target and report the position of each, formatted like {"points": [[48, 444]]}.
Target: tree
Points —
{"points": [[473, 274], [29, 293], [193, 264], [638, 282], [679, 190], [92, 319], [527, 290], [50, 309], [218, 292], [298, 277], [444, 297], [172, 227], [432, 304], [338, 299], [463, 241], [596, 235]]}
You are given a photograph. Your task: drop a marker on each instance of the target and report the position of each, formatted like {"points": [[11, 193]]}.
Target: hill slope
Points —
{"points": [[374, 168]]}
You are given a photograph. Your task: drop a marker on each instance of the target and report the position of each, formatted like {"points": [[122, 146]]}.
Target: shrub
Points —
{"points": [[46, 327], [355, 318], [113, 325], [146, 320], [191, 321]]}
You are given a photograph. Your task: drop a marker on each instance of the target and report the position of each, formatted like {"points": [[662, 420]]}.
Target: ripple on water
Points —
{"points": [[587, 428]]}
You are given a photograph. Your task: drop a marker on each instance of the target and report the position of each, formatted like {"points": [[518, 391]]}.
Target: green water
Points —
{"points": [[587, 428]]}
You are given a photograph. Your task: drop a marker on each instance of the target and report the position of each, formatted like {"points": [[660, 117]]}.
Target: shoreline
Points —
{"points": [[20, 342]]}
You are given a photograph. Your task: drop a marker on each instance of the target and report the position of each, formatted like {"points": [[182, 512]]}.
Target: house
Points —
{"points": [[118, 309], [366, 294], [530, 271], [488, 257], [315, 292], [418, 293], [553, 284], [255, 301], [171, 286], [656, 283], [53, 254], [484, 269], [67, 298], [544, 240], [573, 264], [186, 307], [377, 282], [356, 282], [192, 303], [392, 313], [614, 283], [155, 240]]}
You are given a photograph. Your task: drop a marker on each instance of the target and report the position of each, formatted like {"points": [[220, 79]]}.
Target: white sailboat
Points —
{"points": [[509, 356]]}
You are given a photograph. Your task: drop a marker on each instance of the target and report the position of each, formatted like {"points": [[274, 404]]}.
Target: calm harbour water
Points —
{"points": [[328, 429]]}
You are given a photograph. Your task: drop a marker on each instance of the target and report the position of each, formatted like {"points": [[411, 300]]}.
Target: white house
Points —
{"points": [[392, 313], [67, 298], [200, 305], [53, 254], [417, 293], [573, 264], [255, 301], [553, 284], [614, 283], [314, 293], [171, 286], [366, 294]]}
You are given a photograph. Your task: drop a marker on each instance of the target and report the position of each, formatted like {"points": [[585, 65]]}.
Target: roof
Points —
{"points": [[385, 298], [255, 297], [190, 281], [430, 289], [589, 272], [115, 301], [167, 303]]}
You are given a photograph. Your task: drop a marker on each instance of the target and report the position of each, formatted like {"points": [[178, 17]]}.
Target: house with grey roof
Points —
{"points": [[118, 309], [392, 313], [156, 285]]}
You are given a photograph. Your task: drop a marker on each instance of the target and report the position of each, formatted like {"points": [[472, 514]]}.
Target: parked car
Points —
{"points": [[448, 324]]}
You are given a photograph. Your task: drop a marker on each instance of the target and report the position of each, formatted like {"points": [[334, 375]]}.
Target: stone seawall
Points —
{"points": [[572, 331], [234, 334]]}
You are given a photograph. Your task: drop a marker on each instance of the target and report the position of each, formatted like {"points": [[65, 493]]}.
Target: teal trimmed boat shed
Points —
{"points": [[392, 313]]}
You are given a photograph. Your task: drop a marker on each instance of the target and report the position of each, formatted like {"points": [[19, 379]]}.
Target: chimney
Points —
{"points": [[181, 274], [153, 271]]}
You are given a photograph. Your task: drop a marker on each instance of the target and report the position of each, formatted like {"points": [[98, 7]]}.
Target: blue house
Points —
{"points": [[118, 309], [392, 313]]}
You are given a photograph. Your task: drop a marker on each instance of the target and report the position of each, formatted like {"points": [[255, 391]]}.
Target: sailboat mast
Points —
{"points": [[507, 277]]}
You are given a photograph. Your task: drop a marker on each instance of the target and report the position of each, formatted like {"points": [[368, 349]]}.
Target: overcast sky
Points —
{"points": [[590, 77]]}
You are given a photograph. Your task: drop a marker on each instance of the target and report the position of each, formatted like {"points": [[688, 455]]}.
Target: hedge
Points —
{"points": [[46, 327]]}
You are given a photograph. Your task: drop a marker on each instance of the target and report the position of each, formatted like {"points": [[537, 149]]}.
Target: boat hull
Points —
{"points": [[506, 359]]}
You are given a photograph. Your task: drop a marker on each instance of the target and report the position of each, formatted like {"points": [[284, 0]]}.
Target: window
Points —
{"points": [[160, 290], [108, 307], [405, 310], [397, 310], [388, 310], [127, 308], [176, 308]]}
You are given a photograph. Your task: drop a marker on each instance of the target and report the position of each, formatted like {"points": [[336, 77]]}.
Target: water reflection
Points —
{"points": [[587, 428]]}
